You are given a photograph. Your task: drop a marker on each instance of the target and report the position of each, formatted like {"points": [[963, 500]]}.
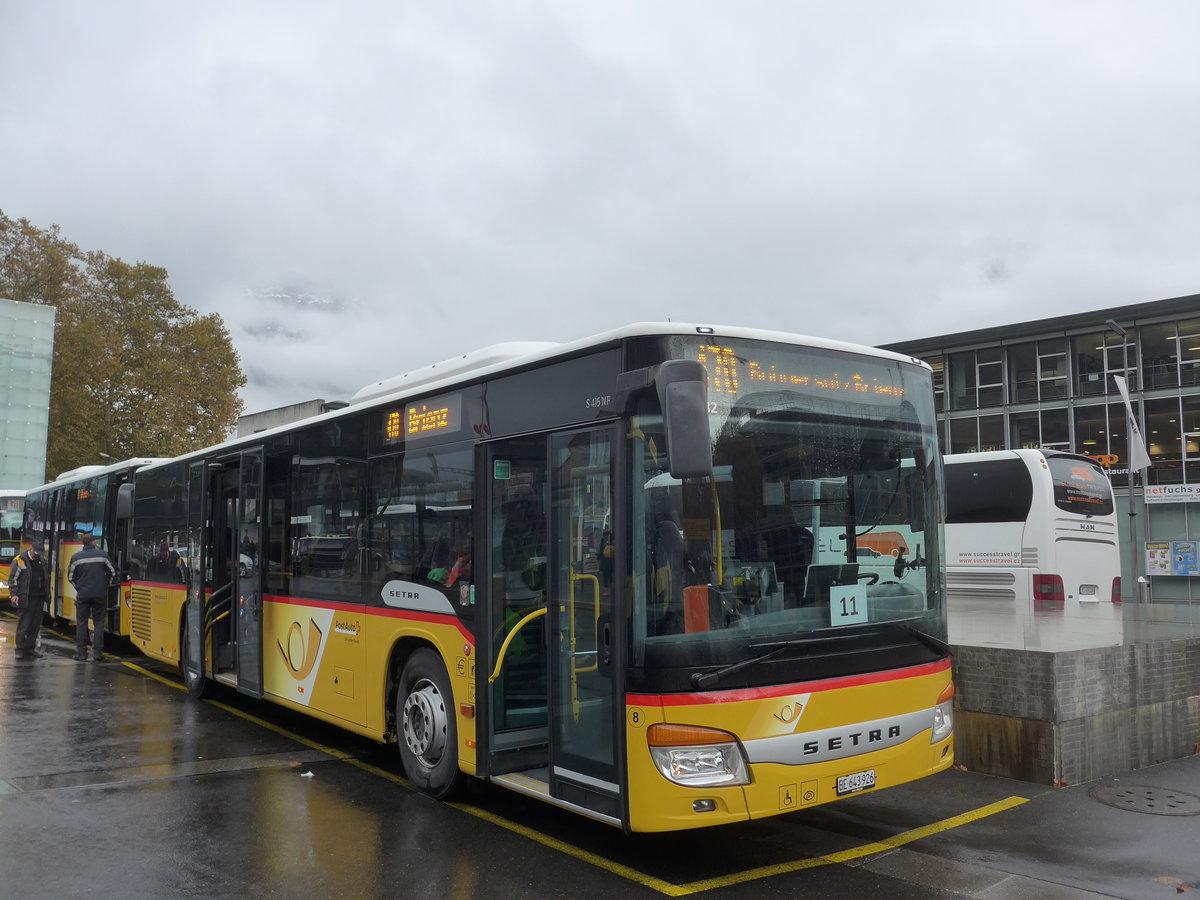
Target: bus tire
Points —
{"points": [[426, 727], [193, 679]]}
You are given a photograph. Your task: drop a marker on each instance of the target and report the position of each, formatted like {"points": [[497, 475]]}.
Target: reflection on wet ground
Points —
{"points": [[1068, 625]]}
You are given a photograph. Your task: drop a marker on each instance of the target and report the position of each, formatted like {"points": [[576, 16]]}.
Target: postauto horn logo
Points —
{"points": [[300, 655]]}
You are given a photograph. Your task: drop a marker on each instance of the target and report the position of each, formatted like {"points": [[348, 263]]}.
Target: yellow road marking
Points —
{"points": [[627, 872], [859, 852], [290, 735], [178, 685]]}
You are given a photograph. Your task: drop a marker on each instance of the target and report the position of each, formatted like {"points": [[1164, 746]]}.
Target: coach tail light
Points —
{"points": [[1048, 587], [697, 757], [943, 715]]}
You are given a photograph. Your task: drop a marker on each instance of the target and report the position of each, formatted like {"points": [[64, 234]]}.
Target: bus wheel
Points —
{"points": [[192, 672], [426, 731]]}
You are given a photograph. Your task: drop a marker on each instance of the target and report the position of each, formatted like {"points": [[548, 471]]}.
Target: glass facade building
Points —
{"points": [[26, 359], [1050, 384]]}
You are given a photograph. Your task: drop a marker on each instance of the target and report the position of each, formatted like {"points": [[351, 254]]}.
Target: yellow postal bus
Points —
{"points": [[582, 572]]}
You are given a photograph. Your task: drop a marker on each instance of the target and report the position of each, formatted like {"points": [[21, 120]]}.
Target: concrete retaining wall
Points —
{"points": [[1078, 715]]}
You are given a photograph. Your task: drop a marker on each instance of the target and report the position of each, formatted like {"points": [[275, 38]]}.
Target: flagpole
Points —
{"points": [[1130, 431]]}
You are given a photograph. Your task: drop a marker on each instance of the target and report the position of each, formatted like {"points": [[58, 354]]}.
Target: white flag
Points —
{"points": [[1138, 457]]}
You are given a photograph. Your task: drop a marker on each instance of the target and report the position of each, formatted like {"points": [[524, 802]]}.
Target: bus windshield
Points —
{"points": [[820, 518], [10, 519]]}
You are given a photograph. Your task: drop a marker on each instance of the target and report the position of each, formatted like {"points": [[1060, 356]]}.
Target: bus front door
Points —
{"points": [[552, 679]]}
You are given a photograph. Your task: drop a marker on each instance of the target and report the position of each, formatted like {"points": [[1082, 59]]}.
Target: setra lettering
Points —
{"points": [[854, 738]]}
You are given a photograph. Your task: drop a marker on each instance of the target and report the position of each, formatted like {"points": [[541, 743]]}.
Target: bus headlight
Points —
{"points": [[697, 757], [943, 716]]}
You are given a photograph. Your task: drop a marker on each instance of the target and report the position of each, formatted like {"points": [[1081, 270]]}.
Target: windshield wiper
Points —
{"points": [[708, 679], [934, 643]]}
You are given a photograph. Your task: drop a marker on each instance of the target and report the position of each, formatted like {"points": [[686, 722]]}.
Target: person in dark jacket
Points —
{"points": [[29, 585], [91, 571]]}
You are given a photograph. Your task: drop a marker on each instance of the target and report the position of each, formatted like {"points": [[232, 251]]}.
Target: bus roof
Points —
{"points": [[1019, 453], [500, 358], [82, 472]]}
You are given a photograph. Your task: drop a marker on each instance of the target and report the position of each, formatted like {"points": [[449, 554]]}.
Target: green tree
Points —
{"points": [[136, 372]]}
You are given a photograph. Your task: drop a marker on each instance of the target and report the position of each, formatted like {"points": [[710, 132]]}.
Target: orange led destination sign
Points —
{"points": [[422, 419], [729, 373], [428, 418]]}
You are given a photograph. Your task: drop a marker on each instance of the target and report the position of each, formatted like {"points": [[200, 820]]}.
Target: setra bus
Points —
{"points": [[58, 513], [12, 510], [1030, 526], [585, 572]]}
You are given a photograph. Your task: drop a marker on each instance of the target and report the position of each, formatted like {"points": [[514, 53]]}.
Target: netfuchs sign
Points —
{"points": [[1173, 493]]}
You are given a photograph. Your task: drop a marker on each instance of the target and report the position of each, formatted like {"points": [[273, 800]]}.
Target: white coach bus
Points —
{"points": [[1029, 525]]}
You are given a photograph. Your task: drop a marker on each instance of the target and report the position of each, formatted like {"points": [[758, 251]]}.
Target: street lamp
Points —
{"points": [[1133, 554]]}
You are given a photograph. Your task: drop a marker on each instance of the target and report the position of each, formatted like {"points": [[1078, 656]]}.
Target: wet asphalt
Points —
{"points": [[114, 783]]}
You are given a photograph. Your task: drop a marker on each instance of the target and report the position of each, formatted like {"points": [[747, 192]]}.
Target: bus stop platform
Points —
{"points": [[1061, 693]]}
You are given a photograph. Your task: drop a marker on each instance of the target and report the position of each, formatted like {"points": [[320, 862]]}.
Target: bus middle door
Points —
{"points": [[552, 682]]}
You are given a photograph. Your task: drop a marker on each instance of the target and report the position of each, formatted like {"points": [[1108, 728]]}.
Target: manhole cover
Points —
{"points": [[1146, 799]]}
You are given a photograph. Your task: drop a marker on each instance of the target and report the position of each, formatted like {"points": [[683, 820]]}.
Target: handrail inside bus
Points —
{"points": [[508, 640], [576, 670], [716, 501], [215, 602], [596, 584]]}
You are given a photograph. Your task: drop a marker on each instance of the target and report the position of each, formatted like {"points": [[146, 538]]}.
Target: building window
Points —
{"points": [[1052, 369], [1088, 351], [1056, 429], [991, 433], [1099, 355], [1101, 432], [964, 435], [1023, 373], [1163, 441], [1091, 431], [963, 394], [1037, 371], [975, 435], [1046, 429], [989, 375], [1160, 365], [1025, 431], [1189, 352], [1190, 422], [939, 382], [977, 378]]}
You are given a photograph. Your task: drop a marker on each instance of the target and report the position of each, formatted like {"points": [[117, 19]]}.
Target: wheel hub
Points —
{"points": [[425, 723]]}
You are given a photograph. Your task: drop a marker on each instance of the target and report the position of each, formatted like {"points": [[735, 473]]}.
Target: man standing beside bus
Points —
{"points": [[91, 572], [29, 585]]}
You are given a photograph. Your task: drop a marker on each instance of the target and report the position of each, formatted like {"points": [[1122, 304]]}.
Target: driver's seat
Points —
{"points": [[822, 578]]}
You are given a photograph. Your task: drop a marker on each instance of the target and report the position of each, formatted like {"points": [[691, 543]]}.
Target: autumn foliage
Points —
{"points": [[136, 372]]}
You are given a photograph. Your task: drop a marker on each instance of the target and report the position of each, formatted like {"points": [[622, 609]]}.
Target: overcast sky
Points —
{"points": [[435, 177]]}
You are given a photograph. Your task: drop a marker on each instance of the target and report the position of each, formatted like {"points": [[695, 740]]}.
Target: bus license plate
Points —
{"points": [[1088, 590], [859, 781]]}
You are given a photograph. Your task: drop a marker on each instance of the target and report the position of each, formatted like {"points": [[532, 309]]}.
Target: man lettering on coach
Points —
{"points": [[91, 572]]}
